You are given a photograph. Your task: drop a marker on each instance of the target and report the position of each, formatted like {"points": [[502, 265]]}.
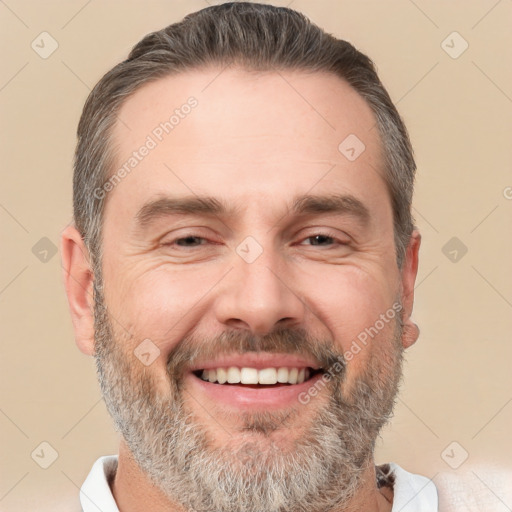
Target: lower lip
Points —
{"points": [[247, 398]]}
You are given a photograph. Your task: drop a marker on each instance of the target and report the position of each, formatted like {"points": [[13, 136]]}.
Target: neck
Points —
{"points": [[133, 491]]}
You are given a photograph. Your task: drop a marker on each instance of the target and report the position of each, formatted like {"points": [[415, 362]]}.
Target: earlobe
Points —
{"points": [[409, 272], [78, 281], [410, 333]]}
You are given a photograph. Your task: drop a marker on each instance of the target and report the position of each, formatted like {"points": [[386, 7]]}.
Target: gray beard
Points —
{"points": [[253, 473]]}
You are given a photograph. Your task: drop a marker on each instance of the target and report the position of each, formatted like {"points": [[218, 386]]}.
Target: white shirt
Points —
{"points": [[412, 493]]}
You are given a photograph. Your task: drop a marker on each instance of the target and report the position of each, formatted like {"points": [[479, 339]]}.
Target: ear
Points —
{"points": [[409, 271], [78, 281]]}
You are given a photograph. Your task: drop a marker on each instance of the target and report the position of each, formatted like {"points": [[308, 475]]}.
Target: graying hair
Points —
{"points": [[252, 36]]}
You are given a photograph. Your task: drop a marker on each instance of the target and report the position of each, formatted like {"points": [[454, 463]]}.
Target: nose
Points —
{"points": [[259, 296]]}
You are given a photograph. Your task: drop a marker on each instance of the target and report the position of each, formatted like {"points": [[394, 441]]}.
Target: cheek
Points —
{"points": [[151, 313], [158, 304], [357, 307]]}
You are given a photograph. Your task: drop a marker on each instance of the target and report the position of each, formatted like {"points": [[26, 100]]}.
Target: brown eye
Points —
{"points": [[320, 240], [323, 240], [189, 241]]}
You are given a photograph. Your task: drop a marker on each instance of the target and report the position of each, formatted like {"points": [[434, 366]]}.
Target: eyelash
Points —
{"points": [[331, 236]]}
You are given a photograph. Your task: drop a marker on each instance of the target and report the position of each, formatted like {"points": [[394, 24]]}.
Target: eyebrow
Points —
{"points": [[188, 205], [345, 204], [336, 204]]}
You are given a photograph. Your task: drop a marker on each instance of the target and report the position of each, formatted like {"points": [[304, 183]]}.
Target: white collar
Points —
{"points": [[413, 493], [95, 493]]}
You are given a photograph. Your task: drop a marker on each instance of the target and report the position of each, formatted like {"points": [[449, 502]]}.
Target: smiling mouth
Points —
{"points": [[257, 378]]}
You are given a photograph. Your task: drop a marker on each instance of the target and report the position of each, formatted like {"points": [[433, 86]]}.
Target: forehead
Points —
{"points": [[230, 130], [239, 103]]}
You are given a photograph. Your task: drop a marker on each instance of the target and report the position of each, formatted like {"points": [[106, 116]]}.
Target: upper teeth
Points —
{"points": [[234, 375]]}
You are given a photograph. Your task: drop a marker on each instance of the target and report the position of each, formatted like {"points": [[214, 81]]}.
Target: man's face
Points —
{"points": [[268, 248]]}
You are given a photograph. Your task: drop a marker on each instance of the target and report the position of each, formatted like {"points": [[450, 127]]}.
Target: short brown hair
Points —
{"points": [[255, 37]]}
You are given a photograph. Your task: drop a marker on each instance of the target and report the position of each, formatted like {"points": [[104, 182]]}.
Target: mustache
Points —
{"points": [[293, 341]]}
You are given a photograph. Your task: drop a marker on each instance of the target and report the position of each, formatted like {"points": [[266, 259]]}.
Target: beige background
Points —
{"points": [[458, 110]]}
